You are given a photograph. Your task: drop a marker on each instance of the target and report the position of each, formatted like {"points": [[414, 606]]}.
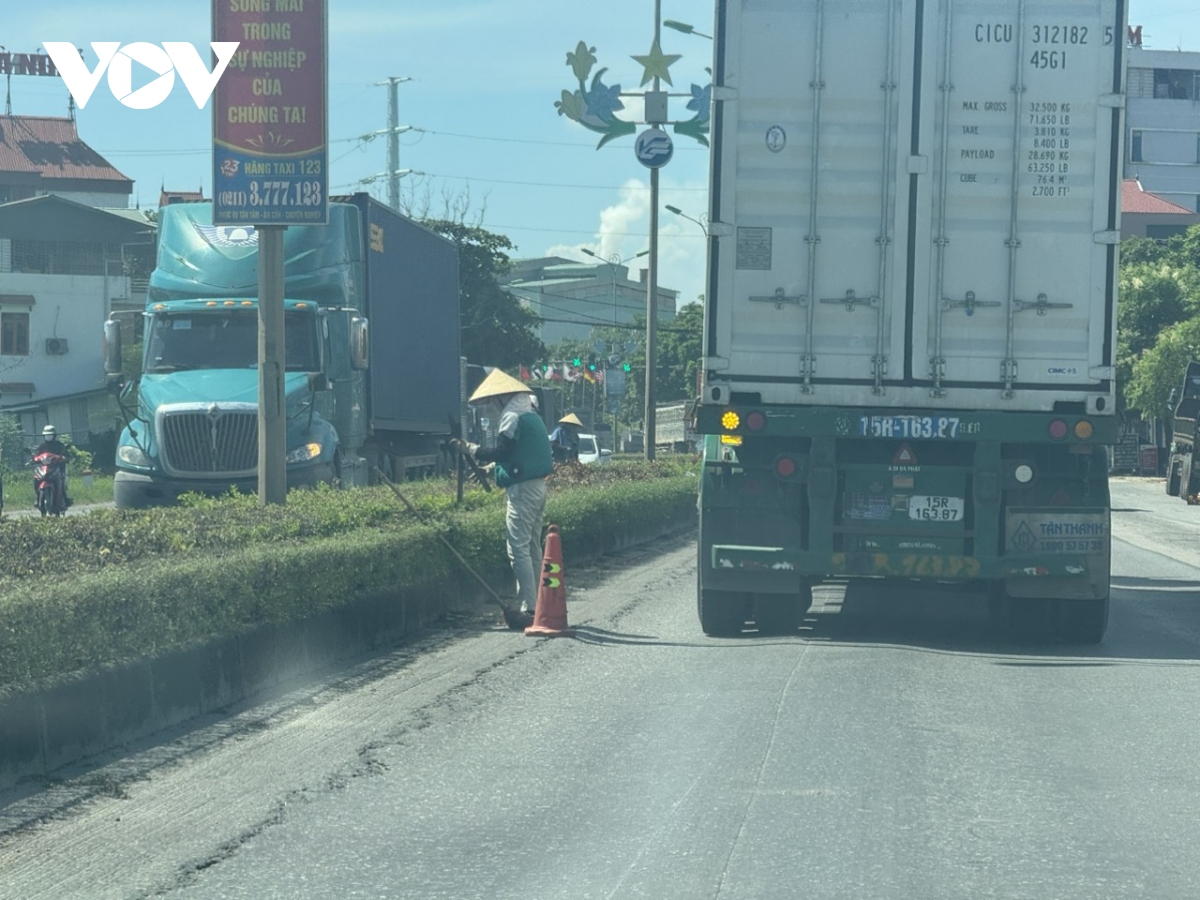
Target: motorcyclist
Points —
{"points": [[51, 444]]}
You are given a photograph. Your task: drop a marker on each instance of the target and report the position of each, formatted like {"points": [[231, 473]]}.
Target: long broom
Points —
{"points": [[513, 618]]}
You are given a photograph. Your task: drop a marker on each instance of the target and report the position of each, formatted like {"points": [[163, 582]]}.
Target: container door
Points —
{"points": [[1012, 285], [810, 281]]}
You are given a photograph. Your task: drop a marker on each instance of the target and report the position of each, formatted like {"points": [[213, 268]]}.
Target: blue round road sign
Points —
{"points": [[653, 148]]}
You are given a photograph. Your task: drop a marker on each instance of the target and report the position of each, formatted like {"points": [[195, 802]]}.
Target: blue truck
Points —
{"points": [[358, 395]]}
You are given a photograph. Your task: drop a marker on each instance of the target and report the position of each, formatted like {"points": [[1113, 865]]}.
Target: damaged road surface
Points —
{"points": [[894, 747]]}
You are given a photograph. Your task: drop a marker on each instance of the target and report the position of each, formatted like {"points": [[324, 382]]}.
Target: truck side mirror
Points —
{"points": [[112, 347], [360, 356], [318, 381]]}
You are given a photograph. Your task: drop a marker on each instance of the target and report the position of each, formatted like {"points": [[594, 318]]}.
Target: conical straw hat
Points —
{"points": [[570, 419], [497, 384]]}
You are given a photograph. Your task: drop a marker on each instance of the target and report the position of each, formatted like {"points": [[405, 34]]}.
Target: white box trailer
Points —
{"points": [[916, 203], [911, 303]]}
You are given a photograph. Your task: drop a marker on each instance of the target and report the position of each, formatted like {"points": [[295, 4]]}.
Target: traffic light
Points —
{"points": [[576, 361], [625, 367]]}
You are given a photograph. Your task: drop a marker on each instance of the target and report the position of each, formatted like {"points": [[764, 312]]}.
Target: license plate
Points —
{"points": [[917, 427], [935, 509]]}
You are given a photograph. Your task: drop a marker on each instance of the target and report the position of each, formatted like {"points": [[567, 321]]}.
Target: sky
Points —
{"points": [[485, 78], [486, 135]]}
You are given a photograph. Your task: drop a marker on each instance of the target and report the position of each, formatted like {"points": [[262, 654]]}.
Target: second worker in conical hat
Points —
{"points": [[564, 440], [523, 460]]}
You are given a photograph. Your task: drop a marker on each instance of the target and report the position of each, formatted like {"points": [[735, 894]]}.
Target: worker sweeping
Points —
{"points": [[522, 460]]}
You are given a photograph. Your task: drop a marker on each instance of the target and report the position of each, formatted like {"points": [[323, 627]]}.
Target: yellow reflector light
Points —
{"points": [[247, 303], [230, 303], [1083, 430], [301, 306], [159, 306], [730, 420], [211, 303], [733, 440]]}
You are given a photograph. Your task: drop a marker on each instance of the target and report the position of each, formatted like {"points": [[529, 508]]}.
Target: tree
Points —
{"points": [[496, 329], [1160, 369], [680, 348], [1153, 297]]}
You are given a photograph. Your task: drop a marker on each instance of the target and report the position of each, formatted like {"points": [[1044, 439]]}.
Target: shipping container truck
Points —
{"points": [[1183, 465], [910, 314], [357, 396]]}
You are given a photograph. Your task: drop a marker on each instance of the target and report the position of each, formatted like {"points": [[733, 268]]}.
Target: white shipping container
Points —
{"points": [[915, 203]]}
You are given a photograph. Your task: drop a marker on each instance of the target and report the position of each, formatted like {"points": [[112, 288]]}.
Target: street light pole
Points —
{"points": [[594, 105], [652, 286], [679, 212]]}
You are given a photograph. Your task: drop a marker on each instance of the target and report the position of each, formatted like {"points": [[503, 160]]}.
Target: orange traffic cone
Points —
{"points": [[550, 617]]}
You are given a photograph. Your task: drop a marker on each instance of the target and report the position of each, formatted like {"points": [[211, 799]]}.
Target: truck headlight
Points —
{"points": [[133, 456], [305, 452]]}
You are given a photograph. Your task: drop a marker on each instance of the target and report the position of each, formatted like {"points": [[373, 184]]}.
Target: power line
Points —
{"points": [[626, 186]]}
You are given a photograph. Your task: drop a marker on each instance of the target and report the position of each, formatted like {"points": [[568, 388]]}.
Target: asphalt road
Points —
{"points": [[892, 749]]}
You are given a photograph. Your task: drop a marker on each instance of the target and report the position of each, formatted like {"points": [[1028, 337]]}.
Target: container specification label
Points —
{"points": [[1060, 60], [1049, 532]]}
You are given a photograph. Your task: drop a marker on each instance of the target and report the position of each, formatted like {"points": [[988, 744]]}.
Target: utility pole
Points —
{"points": [[394, 130]]}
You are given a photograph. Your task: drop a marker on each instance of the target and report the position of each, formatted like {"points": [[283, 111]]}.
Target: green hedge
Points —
{"points": [[121, 584]]}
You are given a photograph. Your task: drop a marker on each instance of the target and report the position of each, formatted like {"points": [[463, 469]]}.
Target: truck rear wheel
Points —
{"points": [[781, 613], [722, 613], [1083, 621], [1173, 480]]}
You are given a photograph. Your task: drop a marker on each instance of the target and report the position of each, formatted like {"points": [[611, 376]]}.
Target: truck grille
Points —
{"points": [[212, 441]]}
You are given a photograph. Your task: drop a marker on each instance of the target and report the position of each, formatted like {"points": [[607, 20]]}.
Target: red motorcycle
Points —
{"points": [[49, 483]]}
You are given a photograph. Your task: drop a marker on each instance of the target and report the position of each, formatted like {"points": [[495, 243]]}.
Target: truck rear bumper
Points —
{"points": [[732, 564], [132, 490]]}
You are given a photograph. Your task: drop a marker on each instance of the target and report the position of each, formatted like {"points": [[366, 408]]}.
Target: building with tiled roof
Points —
{"points": [[165, 197], [44, 155], [1146, 214]]}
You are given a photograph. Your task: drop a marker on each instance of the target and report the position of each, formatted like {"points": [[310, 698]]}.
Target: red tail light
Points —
{"points": [[785, 467]]}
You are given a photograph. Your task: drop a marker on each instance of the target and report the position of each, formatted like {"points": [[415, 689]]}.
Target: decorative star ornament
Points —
{"points": [[657, 63]]}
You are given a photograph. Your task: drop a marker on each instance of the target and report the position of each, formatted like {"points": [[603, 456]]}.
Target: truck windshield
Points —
{"points": [[225, 339]]}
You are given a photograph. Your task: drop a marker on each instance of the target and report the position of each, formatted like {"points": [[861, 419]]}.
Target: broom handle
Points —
{"points": [[441, 537]]}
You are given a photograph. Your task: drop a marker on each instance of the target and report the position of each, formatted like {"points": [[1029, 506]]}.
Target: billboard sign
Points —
{"points": [[270, 131]]}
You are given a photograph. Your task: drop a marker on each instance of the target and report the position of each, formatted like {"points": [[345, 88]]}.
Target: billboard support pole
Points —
{"points": [[272, 426]]}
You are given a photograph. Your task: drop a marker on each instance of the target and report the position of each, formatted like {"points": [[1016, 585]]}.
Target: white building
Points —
{"points": [[64, 267], [573, 298], [1162, 118]]}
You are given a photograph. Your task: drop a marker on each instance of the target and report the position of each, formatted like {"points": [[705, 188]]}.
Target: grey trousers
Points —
{"points": [[523, 527]]}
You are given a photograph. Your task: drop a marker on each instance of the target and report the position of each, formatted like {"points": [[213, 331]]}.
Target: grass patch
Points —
{"points": [[80, 592]]}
